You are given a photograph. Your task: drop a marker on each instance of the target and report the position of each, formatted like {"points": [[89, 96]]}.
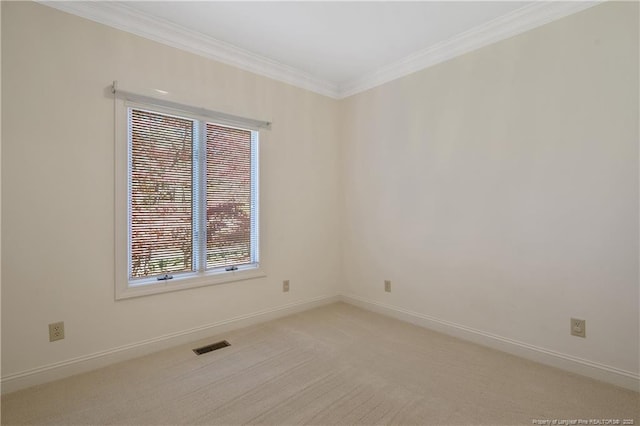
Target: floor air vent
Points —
{"points": [[212, 347]]}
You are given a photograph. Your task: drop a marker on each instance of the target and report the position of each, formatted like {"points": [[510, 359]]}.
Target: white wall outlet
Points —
{"points": [[285, 286], [578, 327], [56, 331], [387, 286]]}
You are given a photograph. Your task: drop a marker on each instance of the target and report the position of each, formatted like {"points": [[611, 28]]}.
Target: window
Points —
{"points": [[190, 202]]}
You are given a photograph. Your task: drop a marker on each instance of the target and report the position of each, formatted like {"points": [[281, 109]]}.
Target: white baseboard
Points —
{"points": [[565, 362], [59, 370]]}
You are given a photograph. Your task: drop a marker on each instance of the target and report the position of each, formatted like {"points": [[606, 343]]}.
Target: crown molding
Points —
{"points": [[119, 15], [520, 20]]}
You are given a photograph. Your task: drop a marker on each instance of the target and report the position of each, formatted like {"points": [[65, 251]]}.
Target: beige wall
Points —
{"points": [[58, 180], [499, 190]]}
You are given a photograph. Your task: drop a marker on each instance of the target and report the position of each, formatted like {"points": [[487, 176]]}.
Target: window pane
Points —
{"points": [[160, 194], [228, 196]]}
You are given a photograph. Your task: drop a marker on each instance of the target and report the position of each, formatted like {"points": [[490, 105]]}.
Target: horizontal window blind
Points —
{"points": [[190, 110], [230, 213], [160, 194]]}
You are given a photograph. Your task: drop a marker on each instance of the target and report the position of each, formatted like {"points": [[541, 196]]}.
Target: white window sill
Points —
{"points": [[184, 283]]}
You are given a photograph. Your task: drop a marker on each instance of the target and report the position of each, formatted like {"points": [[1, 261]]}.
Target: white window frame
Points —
{"points": [[126, 288]]}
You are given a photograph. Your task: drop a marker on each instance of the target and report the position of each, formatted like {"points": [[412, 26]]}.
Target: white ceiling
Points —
{"points": [[334, 48], [337, 42]]}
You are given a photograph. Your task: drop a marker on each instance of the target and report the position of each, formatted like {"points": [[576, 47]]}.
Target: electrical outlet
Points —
{"points": [[285, 286], [56, 331], [387, 286], [578, 327]]}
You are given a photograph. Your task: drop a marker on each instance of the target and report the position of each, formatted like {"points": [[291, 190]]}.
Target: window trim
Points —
{"points": [[124, 288]]}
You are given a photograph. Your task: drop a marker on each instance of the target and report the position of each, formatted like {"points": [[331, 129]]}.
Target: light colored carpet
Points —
{"points": [[333, 365]]}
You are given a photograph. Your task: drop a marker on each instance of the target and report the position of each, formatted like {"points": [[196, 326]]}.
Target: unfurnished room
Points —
{"points": [[321, 213]]}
